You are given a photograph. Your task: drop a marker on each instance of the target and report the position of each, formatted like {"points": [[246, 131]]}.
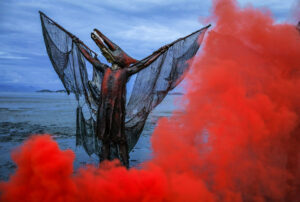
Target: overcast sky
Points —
{"points": [[138, 26]]}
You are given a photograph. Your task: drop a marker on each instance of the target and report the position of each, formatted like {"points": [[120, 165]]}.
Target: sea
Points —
{"points": [[30, 113]]}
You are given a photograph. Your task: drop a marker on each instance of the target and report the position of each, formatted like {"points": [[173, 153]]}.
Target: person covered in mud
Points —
{"points": [[110, 127], [110, 131]]}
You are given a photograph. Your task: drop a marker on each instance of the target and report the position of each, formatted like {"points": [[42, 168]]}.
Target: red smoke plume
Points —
{"points": [[237, 141]]}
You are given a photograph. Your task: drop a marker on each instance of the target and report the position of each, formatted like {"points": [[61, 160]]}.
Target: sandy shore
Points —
{"points": [[26, 114]]}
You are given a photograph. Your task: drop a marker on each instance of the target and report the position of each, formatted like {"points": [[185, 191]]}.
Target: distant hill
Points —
{"points": [[51, 91], [44, 91], [176, 93], [61, 91]]}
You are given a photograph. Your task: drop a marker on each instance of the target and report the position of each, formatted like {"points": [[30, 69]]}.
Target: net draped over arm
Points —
{"points": [[151, 85], [66, 58], [70, 66], [154, 82]]}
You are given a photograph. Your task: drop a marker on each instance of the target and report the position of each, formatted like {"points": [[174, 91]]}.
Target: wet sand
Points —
{"points": [[26, 114]]}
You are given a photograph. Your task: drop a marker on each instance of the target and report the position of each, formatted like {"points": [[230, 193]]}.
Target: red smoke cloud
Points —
{"points": [[237, 141]]}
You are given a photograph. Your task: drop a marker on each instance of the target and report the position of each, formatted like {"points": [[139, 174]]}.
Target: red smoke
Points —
{"points": [[237, 141]]}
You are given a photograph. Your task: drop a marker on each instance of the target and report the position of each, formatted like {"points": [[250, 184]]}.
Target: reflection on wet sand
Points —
{"points": [[24, 114]]}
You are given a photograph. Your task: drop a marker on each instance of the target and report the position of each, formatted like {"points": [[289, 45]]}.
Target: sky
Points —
{"points": [[138, 26]]}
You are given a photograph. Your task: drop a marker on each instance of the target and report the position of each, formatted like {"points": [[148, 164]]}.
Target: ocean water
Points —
{"points": [[26, 114]]}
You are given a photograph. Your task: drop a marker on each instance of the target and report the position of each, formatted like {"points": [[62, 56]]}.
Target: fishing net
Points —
{"points": [[151, 85]]}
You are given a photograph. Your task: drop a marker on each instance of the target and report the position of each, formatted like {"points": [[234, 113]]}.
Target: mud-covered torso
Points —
{"points": [[111, 111], [114, 82]]}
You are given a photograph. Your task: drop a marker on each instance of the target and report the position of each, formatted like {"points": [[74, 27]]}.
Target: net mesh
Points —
{"points": [[154, 82], [151, 86]]}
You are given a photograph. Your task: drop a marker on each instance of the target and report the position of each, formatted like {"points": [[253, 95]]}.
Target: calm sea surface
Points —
{"points": [[25, 114]]}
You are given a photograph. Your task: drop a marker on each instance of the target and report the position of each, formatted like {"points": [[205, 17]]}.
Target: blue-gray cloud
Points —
{"points": [[138, 26]]}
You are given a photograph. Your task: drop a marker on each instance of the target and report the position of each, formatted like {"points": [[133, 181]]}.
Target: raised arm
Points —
{"points": [[93, 60], [143, 64]]}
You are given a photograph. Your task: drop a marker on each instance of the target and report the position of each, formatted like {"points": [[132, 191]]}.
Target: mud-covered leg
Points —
{"points": [[123, 149], [105, 151]]}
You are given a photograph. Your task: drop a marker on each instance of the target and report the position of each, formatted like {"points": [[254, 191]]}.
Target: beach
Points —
{"points": [[25, 114]]}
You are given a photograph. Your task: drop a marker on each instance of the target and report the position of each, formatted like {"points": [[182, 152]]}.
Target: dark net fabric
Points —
{"points": [[151, 86], [70, 65], [65, 57], [153, 83]]}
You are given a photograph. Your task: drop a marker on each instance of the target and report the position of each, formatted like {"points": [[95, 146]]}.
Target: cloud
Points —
{"points": [[6, 55], [156, 33], [138, 26], [39, 77]]}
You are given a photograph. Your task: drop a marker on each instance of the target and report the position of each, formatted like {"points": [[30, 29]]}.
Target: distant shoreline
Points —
{"points": [[51, 91], [176, 93], [64, 91]]}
